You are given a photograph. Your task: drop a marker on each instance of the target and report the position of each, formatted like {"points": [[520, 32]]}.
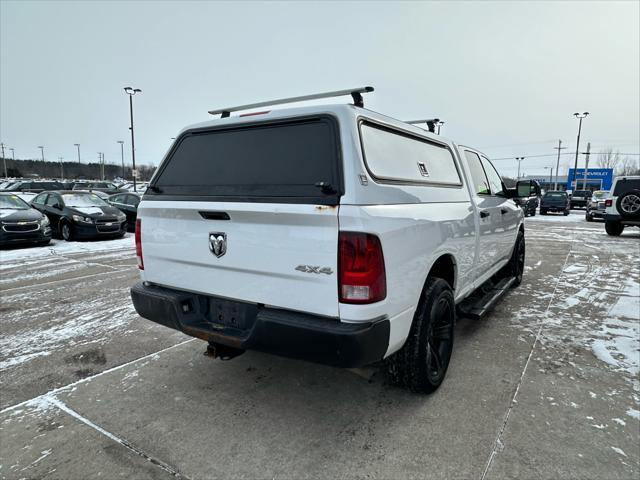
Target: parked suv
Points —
{"points": [[580, 198], [329, 233], [596, 205], [623, 207], [555, 201]]}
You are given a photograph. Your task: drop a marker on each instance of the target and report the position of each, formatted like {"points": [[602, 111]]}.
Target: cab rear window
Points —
{"points": [[294, 161]]}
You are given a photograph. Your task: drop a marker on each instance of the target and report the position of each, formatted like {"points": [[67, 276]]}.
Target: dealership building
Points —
{"points": [[597, 179]]}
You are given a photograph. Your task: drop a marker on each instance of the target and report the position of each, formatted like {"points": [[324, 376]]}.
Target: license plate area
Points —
{"points": [[227, 314]]}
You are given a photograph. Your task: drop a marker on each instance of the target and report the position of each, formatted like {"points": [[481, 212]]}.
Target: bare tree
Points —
{"points": [[628, 166], [607, 158]]}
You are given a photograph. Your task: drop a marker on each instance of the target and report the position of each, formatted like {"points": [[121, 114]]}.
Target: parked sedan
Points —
{"points": [[76, 215], [19, 223], [554, 201], [127, 203], [106, 187]]}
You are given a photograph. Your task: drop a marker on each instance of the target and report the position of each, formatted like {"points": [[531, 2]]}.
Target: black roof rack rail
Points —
{"points": [[431, 123], [356, 94]]}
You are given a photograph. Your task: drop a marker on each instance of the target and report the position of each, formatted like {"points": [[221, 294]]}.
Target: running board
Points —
{"points": [[484, 299]]}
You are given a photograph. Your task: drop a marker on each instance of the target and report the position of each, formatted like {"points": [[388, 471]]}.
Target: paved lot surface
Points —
{"points": [[546, 387]]}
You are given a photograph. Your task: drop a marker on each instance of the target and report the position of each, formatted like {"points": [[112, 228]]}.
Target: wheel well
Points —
{"points": [[445, 268]]}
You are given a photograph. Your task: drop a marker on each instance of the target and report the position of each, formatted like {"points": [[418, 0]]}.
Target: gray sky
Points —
{"points": [[505, 76]]}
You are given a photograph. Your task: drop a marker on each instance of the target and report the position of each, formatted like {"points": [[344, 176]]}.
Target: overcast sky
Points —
{"points": [[506, 76]]}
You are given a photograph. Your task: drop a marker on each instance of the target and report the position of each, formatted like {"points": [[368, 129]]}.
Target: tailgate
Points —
{"points": [[265, 245]]}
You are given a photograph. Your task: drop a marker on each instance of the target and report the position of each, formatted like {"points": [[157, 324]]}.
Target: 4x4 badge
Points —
{"points": [[218, 243]]}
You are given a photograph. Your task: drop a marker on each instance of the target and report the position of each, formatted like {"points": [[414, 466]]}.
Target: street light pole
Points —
{"points": [[121, 142], [519, 159], [586, 166], [77, 145], [579, 116], [439, 123], [41, 151], [4, 160], [559, 147], [61, 168], [131, 92], [13, 154]]}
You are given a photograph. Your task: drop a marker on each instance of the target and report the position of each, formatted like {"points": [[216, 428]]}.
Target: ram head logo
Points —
{"points": [[218, 243]]}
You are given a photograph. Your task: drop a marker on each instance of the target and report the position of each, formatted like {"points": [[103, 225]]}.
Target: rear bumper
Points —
{"points": [[614, 217], [555, 208], [255, 327]]}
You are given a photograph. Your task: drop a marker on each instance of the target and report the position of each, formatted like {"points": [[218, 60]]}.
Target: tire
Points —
{"points": [[66, 231], [533, 212], [421, 364], [588, 217], [543, 211], [613, 228], [565, 213], [515, 267], [628, 205]]}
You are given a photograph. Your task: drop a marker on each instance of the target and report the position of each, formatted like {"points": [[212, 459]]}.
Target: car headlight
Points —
{"points": [[121, 217], [44, 221], [81, 219]]}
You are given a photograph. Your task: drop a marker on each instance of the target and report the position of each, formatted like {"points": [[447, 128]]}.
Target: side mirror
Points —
{"points": [[527, 188]]}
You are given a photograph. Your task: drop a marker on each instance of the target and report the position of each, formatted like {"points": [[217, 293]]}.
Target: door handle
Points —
{"points": [[503, 211], [484, 214]]}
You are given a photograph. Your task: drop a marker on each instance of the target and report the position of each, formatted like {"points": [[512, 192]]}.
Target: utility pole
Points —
{"points": [[579, 116], [559, 147], [121, 142], [77, 145], [519, 159], [586, 166], [4, 160], [101, 161], [61, 168], [42, 151]]}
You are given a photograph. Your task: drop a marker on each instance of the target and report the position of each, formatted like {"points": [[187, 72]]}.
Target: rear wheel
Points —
{"points": [[543, 211], [566, 212], [588, 217], [421, 364], [613, 228]]}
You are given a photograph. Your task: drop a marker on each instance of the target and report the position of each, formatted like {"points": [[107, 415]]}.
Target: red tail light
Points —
{"points": [[360, 268], [608, 202], [139, 244]]}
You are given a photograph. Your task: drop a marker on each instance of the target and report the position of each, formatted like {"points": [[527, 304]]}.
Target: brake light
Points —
{"points": [[608, 202], [361, 272], [139, 244]]}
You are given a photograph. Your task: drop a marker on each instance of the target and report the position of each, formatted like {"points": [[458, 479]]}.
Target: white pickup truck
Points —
{"points": [[332, 234]]}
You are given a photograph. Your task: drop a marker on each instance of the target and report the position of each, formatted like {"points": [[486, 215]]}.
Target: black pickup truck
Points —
{"points": [[555, 201]]}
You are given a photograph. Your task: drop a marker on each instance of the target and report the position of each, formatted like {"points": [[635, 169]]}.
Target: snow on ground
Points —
{"points": [[61, 247]]}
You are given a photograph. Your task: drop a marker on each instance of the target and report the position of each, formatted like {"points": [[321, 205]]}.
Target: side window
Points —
{"points": [[116, 199], [39, 199], [393, 155], [24, 186], [133, 200], [478, 177], [52, 200], [495, 182]]}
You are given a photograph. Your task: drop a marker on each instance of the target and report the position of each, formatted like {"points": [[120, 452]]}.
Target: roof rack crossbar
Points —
{"points": [[356, 94], [431, 123]]}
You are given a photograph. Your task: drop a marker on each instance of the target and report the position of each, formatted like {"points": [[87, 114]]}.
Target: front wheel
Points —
{"points": [[421, 364], [66, 231], [515, 267], [588, 217], [613, 228]]}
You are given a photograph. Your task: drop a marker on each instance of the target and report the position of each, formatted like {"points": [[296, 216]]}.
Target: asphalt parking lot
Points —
{"points": [[547, 386]]}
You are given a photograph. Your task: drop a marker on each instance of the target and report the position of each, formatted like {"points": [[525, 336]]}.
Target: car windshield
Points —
{"points": [[82, 200], [599, 195], [13, 202], [555, 194]]}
